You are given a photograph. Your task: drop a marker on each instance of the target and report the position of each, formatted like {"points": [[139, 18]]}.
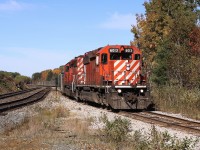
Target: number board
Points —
{"points": [[128, 50], [114, 50]]}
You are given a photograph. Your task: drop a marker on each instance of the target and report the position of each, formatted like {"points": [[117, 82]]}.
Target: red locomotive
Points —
{"points": [[110, 76]]}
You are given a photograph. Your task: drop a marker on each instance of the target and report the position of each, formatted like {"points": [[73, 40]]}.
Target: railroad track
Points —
{"points": [[166, 121], [2, 96], [8, 104]]}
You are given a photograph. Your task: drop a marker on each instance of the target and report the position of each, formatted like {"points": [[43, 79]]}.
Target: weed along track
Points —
{"points": [[166, 121], [22, 99], [162, 120]]}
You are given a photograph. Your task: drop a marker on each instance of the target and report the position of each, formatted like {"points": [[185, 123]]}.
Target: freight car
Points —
{"points": [[110, 76]]}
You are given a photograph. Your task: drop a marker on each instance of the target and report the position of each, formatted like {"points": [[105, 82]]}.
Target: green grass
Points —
{"points": [[177, 99]]}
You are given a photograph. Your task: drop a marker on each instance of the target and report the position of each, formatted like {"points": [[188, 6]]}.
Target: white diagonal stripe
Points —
{"points": [[117, 62], [120, 67], [134, 69], [120, 76]]}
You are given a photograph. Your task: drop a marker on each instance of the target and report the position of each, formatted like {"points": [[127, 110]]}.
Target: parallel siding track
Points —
{"points": [[6, 104], [2, 96]]}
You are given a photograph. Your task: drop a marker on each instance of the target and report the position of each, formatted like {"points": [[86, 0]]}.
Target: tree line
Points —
{"points": [[47, 75]]}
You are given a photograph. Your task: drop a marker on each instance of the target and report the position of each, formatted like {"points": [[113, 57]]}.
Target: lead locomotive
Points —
{"points": [[110, 76]]}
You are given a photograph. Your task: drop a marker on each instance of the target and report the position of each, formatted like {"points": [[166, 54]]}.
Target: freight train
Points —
{"points": [[110, 76]]}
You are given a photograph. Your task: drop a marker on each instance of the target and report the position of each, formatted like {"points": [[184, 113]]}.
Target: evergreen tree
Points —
{"points": [[49, 75], [36, 76]]}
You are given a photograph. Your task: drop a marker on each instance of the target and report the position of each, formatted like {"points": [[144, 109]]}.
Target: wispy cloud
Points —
{"points": [[119, 21], [14, 5]]}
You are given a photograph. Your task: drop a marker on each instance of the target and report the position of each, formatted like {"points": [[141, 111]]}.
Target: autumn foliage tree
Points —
{"points": [[47, 75], [167, 33], [44, 74], [195, 41], [56, 71]]}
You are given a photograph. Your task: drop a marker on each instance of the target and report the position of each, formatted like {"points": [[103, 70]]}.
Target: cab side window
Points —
{"points": [[67, 69], [104, 58]]}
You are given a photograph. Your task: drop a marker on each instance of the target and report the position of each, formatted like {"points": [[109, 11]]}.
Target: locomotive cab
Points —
{"points": [[120, 65], [120, 71]]}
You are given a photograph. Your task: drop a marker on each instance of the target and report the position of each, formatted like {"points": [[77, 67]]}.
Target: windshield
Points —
{"points": [[115, 56], [120, 56], [126, 56]]}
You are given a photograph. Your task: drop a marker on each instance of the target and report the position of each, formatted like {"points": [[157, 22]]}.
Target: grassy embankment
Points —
{"points": [[10, 82]]}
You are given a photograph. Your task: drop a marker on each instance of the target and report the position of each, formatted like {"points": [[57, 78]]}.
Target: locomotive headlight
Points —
{"points": [[128, 67], [141, 91], [119, 90]]}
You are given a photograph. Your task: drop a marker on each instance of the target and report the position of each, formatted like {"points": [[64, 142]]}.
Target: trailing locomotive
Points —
{"points": [[109, 76]]}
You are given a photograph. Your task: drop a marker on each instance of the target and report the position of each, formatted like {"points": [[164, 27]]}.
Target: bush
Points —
{"points": [[117, 130], [161, 141]]}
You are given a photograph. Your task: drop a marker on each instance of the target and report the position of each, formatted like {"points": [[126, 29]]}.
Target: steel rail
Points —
{"points": [[163, 122], [2, 96], [24, 101], [178, 120]]}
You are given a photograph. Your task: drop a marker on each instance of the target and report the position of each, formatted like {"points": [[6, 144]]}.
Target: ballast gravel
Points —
{"points": [[83, 111], [86, 111]]}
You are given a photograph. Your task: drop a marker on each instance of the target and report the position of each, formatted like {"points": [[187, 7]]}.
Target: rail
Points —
{"points": [[166, 121], [2, 96], [9, 104]]}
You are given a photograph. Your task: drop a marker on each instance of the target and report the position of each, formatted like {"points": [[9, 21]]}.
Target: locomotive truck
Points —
{"points": [[110, 75]]}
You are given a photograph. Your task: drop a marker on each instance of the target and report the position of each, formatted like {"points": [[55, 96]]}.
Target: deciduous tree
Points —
{"points": [[166, 35]]}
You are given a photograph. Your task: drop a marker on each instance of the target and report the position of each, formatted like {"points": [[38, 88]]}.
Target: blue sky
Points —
{"points": [[36, 35]]}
